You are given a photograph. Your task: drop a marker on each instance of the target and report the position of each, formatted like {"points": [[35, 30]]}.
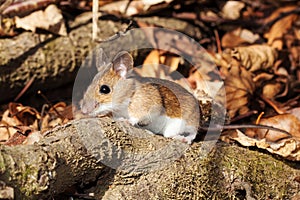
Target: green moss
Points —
{"points": [[2, 164], [257, 175], [259, 170]]}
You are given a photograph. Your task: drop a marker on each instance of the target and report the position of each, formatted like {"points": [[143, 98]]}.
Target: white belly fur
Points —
{"points": [[170, 127]]}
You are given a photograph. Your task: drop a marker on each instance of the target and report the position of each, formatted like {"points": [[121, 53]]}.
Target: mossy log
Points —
{"points": [[130, 163]]}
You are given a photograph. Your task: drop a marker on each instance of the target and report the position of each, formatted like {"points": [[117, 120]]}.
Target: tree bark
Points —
{"points": [[130, 163], [51, 60]]}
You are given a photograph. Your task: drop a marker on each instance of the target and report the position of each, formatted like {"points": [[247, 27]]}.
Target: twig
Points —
{"points": [[218, 41], [28, 84], [118, 34], [252, 112], [259, 117], [272, 104], [95, 19], [50, 104]]}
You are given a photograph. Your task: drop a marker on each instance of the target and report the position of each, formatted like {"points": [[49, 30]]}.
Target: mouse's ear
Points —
{"points": [[100, 59], [122, 63]]}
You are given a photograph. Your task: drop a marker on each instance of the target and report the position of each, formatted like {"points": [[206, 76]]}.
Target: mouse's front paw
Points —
{"points": [[133, 121], [183, 139]]}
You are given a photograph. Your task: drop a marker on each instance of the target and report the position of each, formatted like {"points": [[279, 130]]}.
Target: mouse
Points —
{"points": [[159, 106]]}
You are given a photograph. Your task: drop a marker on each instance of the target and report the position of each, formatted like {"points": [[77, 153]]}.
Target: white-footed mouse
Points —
{"points": [[161, 106]]}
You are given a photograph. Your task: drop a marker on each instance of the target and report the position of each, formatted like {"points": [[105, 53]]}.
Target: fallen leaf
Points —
{"points": [[21, 124], [280, 27], [261, 77], [271, 90], [178, 44], [239, 87], [287, 122], [126, 8], [150, 66], [232, 9], [295, 112], [255, 57], [130, 8], [159, 64], [4, 132], [204, 89], [58, 114], [19, 136], [8, 120], [286, 145], [26, 115], [238, 37], [50, 19], [22, 8]]}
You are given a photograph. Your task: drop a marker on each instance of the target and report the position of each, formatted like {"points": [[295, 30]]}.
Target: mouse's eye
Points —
{"points": [[104, 89]]}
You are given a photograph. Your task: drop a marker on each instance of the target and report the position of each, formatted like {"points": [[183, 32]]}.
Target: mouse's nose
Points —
{"points": [[88, 105]]}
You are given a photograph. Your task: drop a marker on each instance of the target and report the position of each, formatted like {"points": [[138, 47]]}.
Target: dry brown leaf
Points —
{"points": [[163, 66], [5, 132], [58, 108], [9, 120], [130, 8], [203, 89], [279, 28], [232, 9], [50, 19], [20, 124], [62, 111], [150, 66], [58, 114], [295, 112], [20, 135], [261, 77], [7, 27], [181, 45], [44, 125], [12, 129], [16, 139], [291, 41], [178, 44], [287, 122], [172, 62], [295, 54], [287, 148], [271, 90], [123, 7], [27, 116], [283, 144], [238, 37], [255, 57], [239, 87]]}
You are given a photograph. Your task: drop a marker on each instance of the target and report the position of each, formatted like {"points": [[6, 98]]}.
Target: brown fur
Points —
{"points": [[147, 95]]}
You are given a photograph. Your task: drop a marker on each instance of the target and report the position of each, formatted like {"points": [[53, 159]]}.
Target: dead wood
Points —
{"points": [[132, 164], [51, 61]]}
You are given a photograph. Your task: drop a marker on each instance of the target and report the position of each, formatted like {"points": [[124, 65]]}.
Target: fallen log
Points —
{"points": [[49, 60], [130, 163]]}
